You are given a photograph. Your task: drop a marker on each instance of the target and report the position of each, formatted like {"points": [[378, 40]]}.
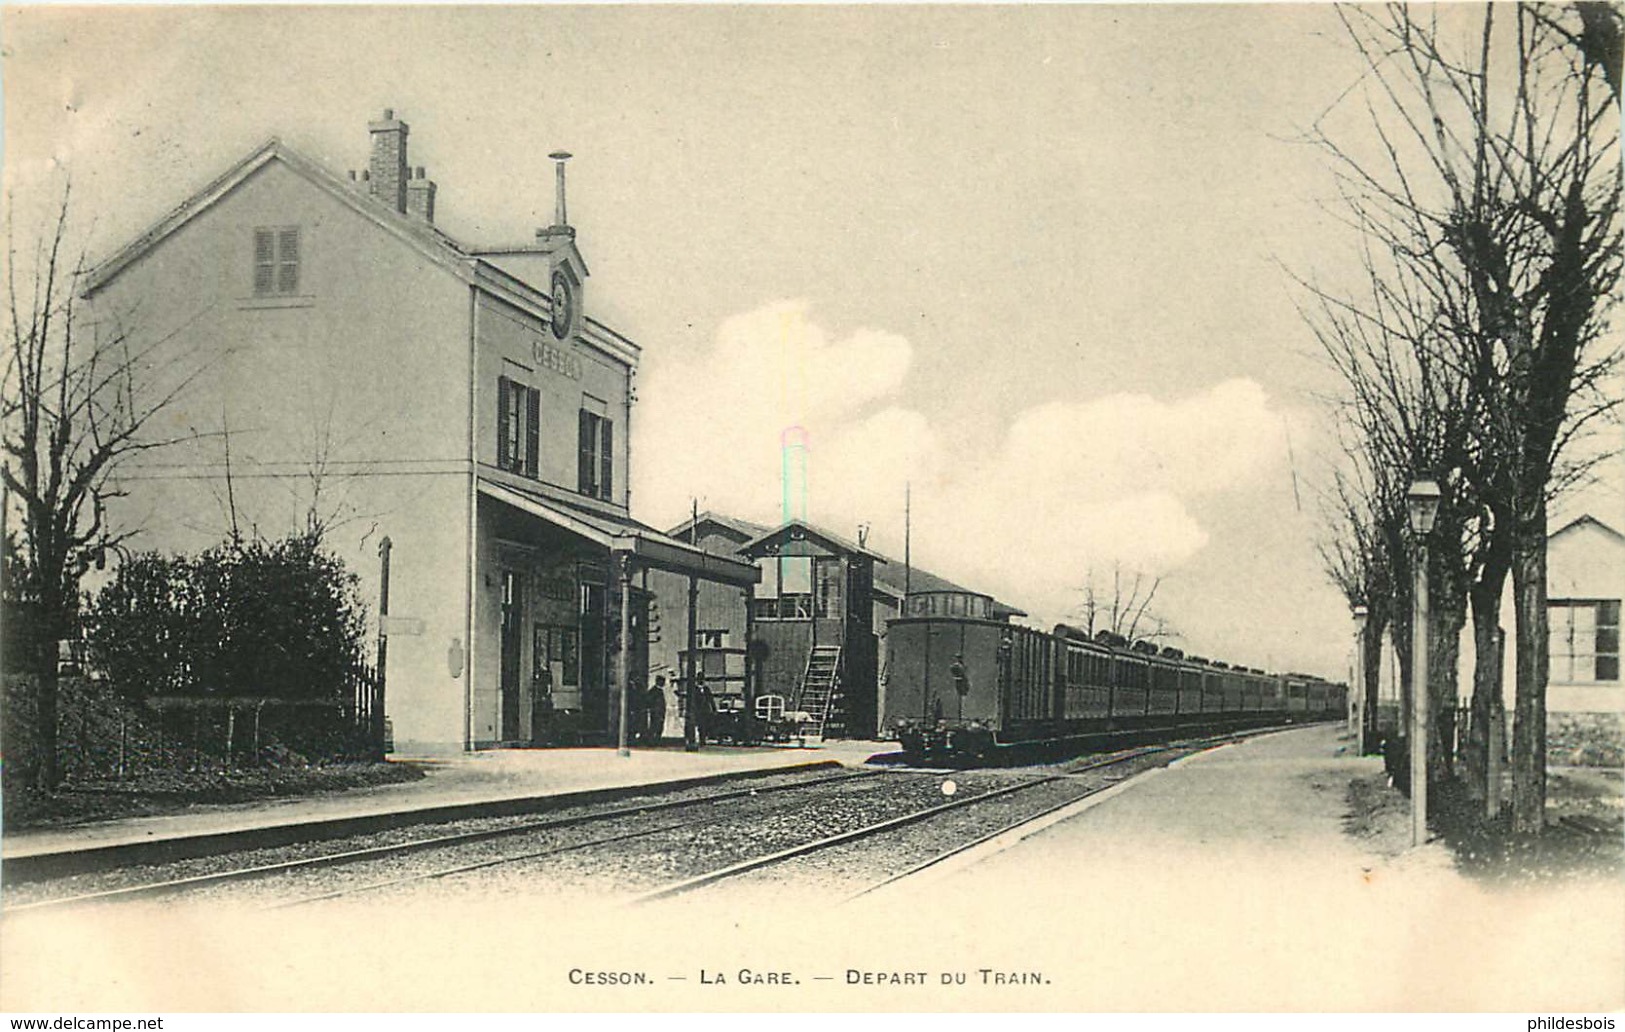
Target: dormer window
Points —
{"points": [[276, 261]]}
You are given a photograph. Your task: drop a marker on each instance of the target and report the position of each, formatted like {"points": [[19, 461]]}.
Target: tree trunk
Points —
{"points": [[1373, 680], [1487, 676], [1533, 666], [1489, 665], [49, 773], [1400, 631], [1486, 606], [1446, 617]]}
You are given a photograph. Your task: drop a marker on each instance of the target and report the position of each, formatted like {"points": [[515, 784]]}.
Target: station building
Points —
{"points": [[811, 630], [357, 369]]}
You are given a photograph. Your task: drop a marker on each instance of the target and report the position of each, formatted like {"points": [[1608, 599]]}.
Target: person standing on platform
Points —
{"points": [[655, 708]]}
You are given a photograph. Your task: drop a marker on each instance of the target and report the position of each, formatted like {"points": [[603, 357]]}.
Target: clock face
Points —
{"points": [[564, 305]]}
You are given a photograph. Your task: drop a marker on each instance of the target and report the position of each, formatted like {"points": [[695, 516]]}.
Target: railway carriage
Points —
{"points": [[971, 685]]}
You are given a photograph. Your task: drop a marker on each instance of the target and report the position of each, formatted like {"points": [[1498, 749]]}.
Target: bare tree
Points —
{"points": [[1123, 607], [78, 399], [1492, 204], [1359, 558]]}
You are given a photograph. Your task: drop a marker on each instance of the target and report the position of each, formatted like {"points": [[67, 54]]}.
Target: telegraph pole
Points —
{"points": [[691, 727], [908, 566], [624, 674], [375, 716]]}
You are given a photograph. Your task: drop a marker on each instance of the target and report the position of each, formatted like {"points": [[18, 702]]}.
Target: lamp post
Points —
{"points": [[1359, 711], [1423, 502]]}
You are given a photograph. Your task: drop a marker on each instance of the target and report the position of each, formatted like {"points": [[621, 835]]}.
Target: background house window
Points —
{"points": [[1583, 640], [519, 411], [596, 456], [276, 260]]}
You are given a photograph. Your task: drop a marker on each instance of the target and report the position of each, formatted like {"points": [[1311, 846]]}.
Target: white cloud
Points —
{"points": [[1071, 485], [712, 426], [1132, 442]]}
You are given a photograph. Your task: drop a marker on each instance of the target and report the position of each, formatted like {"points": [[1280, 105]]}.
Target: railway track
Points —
{"points": [[650, 834], [1071, 797], [854, 835], [193, 883]]}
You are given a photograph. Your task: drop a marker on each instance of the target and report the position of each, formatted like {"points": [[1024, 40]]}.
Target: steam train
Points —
{"points": [[969, 686]]}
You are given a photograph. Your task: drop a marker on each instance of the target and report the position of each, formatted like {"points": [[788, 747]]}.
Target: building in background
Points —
{"points": [[1585, 700], [814, 623], [363, 373]]}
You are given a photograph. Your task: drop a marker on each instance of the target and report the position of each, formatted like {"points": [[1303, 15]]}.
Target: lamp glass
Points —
{"points": [[1423, 499]]}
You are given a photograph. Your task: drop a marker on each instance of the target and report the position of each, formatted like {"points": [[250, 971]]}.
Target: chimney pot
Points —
{"points": [[420, 197], [390, 171]]}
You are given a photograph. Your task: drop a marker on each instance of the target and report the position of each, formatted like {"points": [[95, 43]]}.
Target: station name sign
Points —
{"points": [[558, 360]]}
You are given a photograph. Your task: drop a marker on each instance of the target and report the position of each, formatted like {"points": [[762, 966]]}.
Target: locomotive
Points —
{"points": [[967, 685]]}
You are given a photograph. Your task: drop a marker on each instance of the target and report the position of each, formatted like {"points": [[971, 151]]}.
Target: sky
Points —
{"points": [[1031, 265]]}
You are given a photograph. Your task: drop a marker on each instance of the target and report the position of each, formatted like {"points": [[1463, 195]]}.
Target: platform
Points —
{"points": [[477, 784], [1232, 881]]}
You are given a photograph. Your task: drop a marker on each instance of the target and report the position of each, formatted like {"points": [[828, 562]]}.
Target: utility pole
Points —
{"points": [[624, 673], [691, 727], [1357, 697], [908, 566], [375, 714]]}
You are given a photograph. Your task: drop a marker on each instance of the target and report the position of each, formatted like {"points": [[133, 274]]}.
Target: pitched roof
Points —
{"points": [[890, 574], [743, 530], [1581, 521], [461, 261], [422, 235], [795, 529]]}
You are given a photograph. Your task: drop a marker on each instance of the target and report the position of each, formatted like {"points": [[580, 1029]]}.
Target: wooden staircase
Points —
{"points": [[820, 685]]}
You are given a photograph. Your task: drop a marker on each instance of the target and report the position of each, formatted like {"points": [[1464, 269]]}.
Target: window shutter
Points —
{"points": [[264, 261], [586, 456], [288, 261], [533, 429], [503, 386], [606, 447]]}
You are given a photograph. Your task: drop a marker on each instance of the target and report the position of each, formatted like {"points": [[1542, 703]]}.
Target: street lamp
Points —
{"points": [[1360, 708], [1423, 502]]}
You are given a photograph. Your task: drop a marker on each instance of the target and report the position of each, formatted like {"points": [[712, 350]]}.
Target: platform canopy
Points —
{"points": [[619, 533]]}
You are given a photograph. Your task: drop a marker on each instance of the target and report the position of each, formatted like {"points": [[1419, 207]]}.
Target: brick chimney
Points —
{"points": [[420, 196], [388, 165]]}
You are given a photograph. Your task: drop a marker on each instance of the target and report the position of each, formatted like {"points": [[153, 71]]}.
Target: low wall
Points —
{"points": [[1585, 739]]}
